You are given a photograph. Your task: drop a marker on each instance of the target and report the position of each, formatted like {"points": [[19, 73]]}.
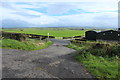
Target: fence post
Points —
{"points": [[48, 35]]}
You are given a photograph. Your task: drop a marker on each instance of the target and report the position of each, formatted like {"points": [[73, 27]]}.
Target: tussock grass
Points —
{"points": [[101, 60], [30, 44]]}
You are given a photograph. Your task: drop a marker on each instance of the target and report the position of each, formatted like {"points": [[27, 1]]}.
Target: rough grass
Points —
{"points": [[102, 67], [56, 33], [31, 44]]}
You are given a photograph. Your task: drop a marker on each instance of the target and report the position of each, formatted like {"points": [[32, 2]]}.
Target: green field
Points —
{"points": [[52, 32]]}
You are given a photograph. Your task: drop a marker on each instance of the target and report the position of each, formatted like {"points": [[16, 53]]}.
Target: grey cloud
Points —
{"points": [[59, 8], [10, 23], [7, 5]]}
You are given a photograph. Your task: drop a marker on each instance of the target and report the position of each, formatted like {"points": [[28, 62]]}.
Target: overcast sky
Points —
{"points": [[53, 14]]}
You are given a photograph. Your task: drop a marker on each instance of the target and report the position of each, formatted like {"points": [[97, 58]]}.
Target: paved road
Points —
{"points": [[60, 42], [54, 62]]}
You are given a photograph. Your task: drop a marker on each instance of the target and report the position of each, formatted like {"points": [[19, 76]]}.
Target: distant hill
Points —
{"points": [[12, 23]]}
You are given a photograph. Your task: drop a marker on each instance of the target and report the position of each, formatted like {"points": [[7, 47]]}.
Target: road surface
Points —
{"points": [[56, 61]]}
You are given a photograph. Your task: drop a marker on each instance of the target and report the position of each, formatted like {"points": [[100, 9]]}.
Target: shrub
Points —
{"points": [[99, 58], [98, 48]]}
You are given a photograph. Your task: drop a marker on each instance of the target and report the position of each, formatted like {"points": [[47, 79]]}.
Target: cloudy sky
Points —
{"points": [[55, 14]]}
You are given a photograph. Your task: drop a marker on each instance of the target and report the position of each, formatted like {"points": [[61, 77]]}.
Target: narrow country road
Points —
{"points": [[56, 61]]}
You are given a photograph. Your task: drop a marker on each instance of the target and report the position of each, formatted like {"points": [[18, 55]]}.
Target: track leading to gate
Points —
{"points": [[56, 61]]}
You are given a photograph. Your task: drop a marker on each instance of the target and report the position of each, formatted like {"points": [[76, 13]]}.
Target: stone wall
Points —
{"points": [[16, 36], [23, 37]]}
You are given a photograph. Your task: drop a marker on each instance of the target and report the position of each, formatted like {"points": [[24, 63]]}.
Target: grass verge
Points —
{"points": [[97, 60], [30, 44]]}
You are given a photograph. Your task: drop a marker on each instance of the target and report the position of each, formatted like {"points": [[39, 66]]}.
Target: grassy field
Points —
{"points": [[30, 44], [53, 32], [98, 60]]}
